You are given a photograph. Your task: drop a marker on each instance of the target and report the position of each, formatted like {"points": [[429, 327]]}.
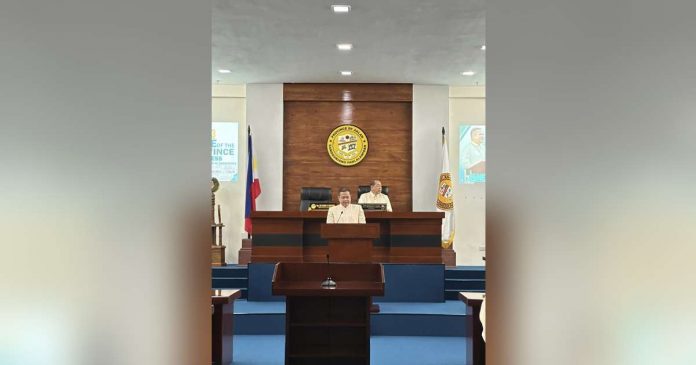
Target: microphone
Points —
{"points": [[328, 283], [337, 220]]}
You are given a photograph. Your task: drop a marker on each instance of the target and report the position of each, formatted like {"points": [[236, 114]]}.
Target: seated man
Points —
{"points": [[375, 196], [345, 212]]}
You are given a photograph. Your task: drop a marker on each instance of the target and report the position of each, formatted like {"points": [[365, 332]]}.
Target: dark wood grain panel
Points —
{"points": [[307, 125], [417, 237], [273, 226], [373, 215], [287, 251], [413, 259], [276, 254], [415, 227], [402, 255], [380, 254], [315, 254], [348, 92]]}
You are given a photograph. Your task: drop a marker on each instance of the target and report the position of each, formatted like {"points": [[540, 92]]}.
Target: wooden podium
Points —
{"points": [[479, 168], [350, 242], [327, 325]]}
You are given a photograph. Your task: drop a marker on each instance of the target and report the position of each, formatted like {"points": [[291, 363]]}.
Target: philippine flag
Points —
{"points": [[253, 185]]}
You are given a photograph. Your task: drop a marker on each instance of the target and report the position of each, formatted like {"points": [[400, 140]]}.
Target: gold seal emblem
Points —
{"points": [[444, 192], [347, 145]]}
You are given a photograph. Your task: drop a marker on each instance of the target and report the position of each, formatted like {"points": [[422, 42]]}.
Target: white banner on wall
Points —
{"points": [[225, 151]]}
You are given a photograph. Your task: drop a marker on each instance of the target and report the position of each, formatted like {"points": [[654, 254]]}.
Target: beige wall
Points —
{"points": [[265, 116], [265, 105], [467, 105], [430, 105], [229, 105]]}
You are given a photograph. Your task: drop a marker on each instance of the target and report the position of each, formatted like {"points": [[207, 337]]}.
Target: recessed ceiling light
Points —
{"points": [[340, 8], [344, 46], [483, 48], [468, 73], [346, 73], [224, 71]]}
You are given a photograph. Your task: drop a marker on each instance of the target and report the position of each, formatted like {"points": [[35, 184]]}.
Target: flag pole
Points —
{"points": [[248, 149], [445, 203], [253, 184], [248, 135]]}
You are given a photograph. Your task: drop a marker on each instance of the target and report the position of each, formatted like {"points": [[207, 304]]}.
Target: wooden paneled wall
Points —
{"points": [[382, 111]]}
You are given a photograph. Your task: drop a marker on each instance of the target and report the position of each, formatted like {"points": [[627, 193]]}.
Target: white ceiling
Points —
{"points": [[394, 41]]}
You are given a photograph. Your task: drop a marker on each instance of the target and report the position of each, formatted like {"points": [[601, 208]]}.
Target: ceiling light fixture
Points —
{"points": [[340, 8], [468, 73], [344, 46], [483, 48], [346, 73], [224, 71]]}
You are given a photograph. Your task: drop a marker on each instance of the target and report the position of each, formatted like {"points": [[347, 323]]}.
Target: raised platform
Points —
{"points": [[385, 350], [231, 277], [464, 278], [419, 300], [456, 279], [449, 318]]}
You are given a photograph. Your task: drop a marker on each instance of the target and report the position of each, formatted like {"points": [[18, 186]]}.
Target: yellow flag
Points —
{"points": [[445, 197]]}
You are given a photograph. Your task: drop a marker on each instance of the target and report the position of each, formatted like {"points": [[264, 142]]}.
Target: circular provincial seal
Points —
{"points": [[347, 145]]}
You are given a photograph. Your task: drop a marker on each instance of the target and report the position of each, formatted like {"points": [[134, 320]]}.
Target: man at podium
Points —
{"points": [[474, 153], [345, 212], [375, 196]]}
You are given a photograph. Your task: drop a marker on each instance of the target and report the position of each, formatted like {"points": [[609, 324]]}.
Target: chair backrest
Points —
{"points": [[365, 188], [314, 195]]}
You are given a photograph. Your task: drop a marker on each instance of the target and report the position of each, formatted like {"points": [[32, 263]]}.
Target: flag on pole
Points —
{"points": [[445, 197], [253, 185]]}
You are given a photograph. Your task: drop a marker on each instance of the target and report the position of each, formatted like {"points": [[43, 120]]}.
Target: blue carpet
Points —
{"points": [[386, 350], [259, 350], [451, 307], [404, 282], [450, 318], [242, 306]]}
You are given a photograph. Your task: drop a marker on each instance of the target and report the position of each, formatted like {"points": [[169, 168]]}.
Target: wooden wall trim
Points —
{"points": [[348, 92]]}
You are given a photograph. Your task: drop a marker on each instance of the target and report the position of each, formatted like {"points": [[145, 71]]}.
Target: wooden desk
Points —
{"points": [[223, 328], [475, 299], [293, 236]]}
